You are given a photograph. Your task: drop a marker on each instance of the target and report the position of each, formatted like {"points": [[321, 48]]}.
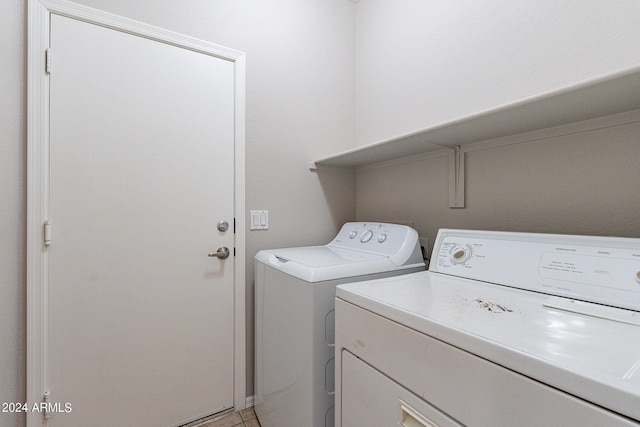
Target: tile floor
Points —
{"points": [[242, 418]]}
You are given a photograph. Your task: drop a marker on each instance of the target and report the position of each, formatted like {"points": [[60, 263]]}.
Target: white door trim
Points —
{"points": [[39, 12]]}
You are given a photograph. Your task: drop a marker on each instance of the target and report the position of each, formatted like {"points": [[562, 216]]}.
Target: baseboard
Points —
{"points": [[250, 401]]}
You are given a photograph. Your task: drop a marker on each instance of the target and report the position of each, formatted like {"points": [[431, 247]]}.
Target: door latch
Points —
{"points": [[222, 253]]}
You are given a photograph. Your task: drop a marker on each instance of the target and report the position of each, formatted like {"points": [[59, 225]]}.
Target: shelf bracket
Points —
{"points": [[456, 177]]}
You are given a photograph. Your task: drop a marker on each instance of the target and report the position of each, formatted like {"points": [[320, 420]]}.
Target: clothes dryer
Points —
{"points": [[295, 318], [505, 329]]}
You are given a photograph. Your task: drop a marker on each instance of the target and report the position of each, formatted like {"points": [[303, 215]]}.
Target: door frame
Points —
{"points": [[39, 12]]}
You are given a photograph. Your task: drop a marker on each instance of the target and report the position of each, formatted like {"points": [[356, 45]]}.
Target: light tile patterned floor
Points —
{"points": [[242, 418]]}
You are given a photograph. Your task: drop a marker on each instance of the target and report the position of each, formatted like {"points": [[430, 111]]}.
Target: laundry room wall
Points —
{"points": [[300, 100], [12, 207], [420, 64], [574, 179], [423, 63]]}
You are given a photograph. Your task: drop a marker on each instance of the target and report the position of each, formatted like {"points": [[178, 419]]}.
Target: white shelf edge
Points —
{"points": [[606, 95]]}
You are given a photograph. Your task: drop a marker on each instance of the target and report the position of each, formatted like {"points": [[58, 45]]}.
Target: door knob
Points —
{"points": [[222, 253]]}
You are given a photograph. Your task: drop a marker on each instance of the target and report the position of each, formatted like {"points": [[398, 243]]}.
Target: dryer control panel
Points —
{"points": [[603, 270]]}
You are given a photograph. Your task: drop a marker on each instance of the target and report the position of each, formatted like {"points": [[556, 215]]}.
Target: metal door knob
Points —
{"points": [[222, 253]]}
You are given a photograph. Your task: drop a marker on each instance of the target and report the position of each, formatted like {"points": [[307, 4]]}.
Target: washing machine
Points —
{"points": [[295, 317]]}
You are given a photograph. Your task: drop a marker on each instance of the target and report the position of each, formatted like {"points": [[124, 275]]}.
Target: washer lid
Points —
{"points": [[320, 263], [323, 256]]}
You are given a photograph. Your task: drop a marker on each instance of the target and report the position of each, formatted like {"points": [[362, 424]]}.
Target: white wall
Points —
{"points": [[12, 207], [575, 179], [300, 106], [421, 63], [425, 62]]}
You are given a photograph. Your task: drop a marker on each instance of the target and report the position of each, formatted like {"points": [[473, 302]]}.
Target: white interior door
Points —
{"points": [[140, 319]]}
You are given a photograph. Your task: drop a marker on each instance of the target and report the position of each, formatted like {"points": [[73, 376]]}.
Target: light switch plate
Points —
{"points": [[259, 220]]}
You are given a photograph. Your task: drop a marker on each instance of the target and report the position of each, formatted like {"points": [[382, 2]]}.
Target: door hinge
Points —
{"points": [[47, 232], [47, 60], [45, 400]]}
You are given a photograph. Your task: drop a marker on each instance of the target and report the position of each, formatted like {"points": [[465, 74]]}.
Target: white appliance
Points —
{"points": [[294, 323], [505, 329]]}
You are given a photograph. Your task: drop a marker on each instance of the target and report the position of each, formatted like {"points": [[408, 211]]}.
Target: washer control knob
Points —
{"points": [[638, 276], [353, 234], [366, 236], [382, 238], [460, 254]]}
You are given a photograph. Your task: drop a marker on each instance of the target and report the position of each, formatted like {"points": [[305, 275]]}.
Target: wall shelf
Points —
{"points": [[611, 94]]}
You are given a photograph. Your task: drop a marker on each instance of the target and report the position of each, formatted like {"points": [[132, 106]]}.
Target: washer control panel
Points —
{"points": [[604, 270], [368, 235], [376, 237]]}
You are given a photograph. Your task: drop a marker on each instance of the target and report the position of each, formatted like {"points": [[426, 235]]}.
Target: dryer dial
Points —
{"points": [[460, 254]]}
